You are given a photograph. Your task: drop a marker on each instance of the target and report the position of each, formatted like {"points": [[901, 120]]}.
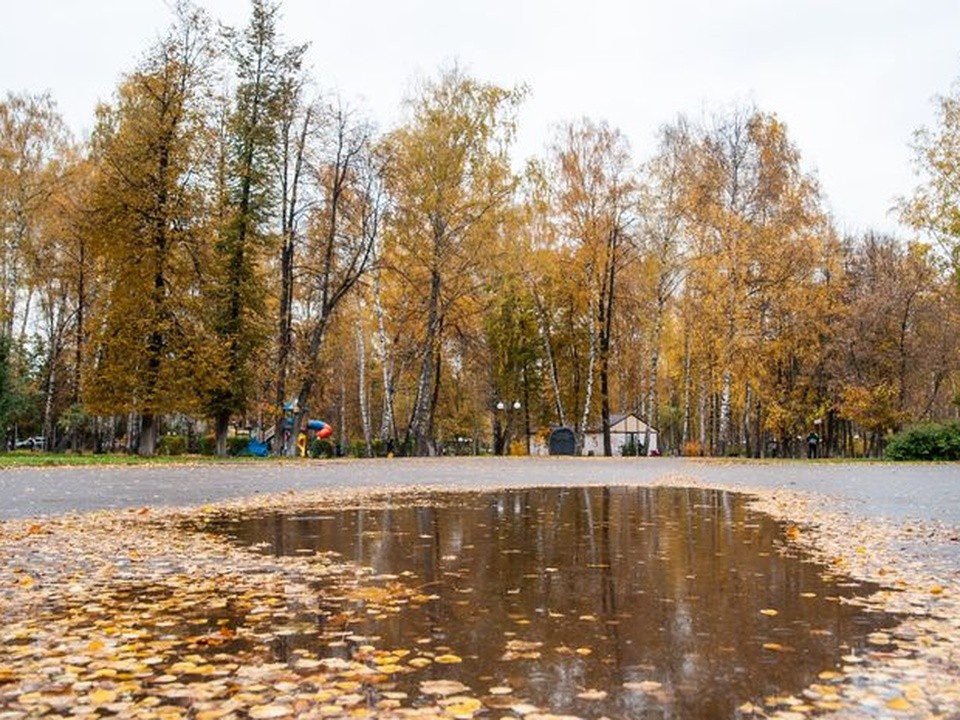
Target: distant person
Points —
{"points": [[812, 441]]}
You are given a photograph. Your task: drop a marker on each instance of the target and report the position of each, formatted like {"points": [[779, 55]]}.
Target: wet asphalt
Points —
{"points": [[896, 491]]}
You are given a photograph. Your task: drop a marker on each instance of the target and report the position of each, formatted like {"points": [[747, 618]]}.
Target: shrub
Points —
{"points": [[208, 444], [926, 442], [172, 445], [320, 448], [691, 448], [237, 444]]}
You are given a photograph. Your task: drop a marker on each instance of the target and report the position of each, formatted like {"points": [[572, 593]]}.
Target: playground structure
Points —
{"points": [[321, 430], [319, 427]]}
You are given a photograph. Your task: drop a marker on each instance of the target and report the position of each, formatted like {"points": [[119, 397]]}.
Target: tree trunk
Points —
{"points": [[551, 360], [149, 432], [388, 425], [221, 427], [725, 411], [362, 385], [585, 418], [418, 431]]}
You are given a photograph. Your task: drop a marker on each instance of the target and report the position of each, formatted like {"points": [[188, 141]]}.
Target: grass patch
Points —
{"points": [[27, 458]]}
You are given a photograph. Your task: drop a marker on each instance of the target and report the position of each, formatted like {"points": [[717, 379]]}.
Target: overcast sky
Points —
{"points": [[852, 79]]}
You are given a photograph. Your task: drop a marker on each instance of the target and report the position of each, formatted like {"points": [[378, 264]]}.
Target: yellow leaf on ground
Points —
{"points": [[102, 696], [899, 703], [267, 712]]}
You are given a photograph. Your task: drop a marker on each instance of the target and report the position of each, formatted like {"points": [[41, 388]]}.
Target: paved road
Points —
{"points": [[897, 491]]}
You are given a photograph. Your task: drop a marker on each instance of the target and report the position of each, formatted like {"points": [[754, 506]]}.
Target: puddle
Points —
{"points": [[617, 602]]}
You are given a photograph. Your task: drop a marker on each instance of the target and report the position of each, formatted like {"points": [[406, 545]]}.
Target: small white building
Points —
{"points": [[625, 431]]}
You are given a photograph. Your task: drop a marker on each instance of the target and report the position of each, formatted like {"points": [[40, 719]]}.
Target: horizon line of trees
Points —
{"points": [[229, 240]]}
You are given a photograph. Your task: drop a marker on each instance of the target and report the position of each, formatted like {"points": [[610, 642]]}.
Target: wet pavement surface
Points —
{"points": [[896, 491], [134, 599]]}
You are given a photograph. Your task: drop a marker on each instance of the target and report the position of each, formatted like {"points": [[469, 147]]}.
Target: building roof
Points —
{"points": [[624, 420]]}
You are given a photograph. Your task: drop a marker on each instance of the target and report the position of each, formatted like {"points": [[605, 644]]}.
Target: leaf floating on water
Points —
{"points": [[524, 709], [592, 694], [500, 690], [774, 647], [442, 687], [448, 659], [524, 645], [769, 612], [645, 686], [461, 707]]}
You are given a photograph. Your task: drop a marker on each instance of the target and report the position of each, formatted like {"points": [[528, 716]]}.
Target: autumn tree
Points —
{"points": [[343, 227], [760, 269], [449, 177], [895, 351], [263, 70], [298, 120], [934, 207], [33, 147], [594, 200], [147, 232], [662, 212]]}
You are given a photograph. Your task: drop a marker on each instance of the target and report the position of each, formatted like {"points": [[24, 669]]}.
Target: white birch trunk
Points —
{"points": [[388, 426], [362, 382], [725, 412], [592, 358]]}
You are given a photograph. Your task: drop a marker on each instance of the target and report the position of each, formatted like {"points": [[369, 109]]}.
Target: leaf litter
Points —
{"points": [[135, 614]]}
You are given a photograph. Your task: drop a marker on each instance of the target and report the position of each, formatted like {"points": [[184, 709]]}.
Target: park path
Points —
{"points": [[895, 491]]}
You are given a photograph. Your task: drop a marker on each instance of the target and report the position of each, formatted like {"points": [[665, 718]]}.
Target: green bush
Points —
{"points": [[208, 444], [320, 449], [237, 444], [172, 445], [926, 442]]}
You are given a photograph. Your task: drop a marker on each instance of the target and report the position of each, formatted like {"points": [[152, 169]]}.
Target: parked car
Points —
{"points": [[37, 442]]}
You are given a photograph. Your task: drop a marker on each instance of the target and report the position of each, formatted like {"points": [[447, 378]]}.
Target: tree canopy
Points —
{"points": [[233, 251]]}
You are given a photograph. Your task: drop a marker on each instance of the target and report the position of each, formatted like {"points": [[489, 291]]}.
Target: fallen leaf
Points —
{"points": [[102, 696], [899, 703], [442, 687], [266, 712], [592, 694], [643, 685]]}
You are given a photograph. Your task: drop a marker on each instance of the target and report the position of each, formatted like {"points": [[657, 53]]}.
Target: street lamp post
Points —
{"points": [[501, 434]]}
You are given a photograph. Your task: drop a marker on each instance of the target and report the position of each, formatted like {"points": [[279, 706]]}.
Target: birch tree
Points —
{"points": [[449, 179], [594, 189], [342, 232]]}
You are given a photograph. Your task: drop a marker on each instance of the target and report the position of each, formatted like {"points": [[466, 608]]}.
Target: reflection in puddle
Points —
{"points": [[617, 602]]}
